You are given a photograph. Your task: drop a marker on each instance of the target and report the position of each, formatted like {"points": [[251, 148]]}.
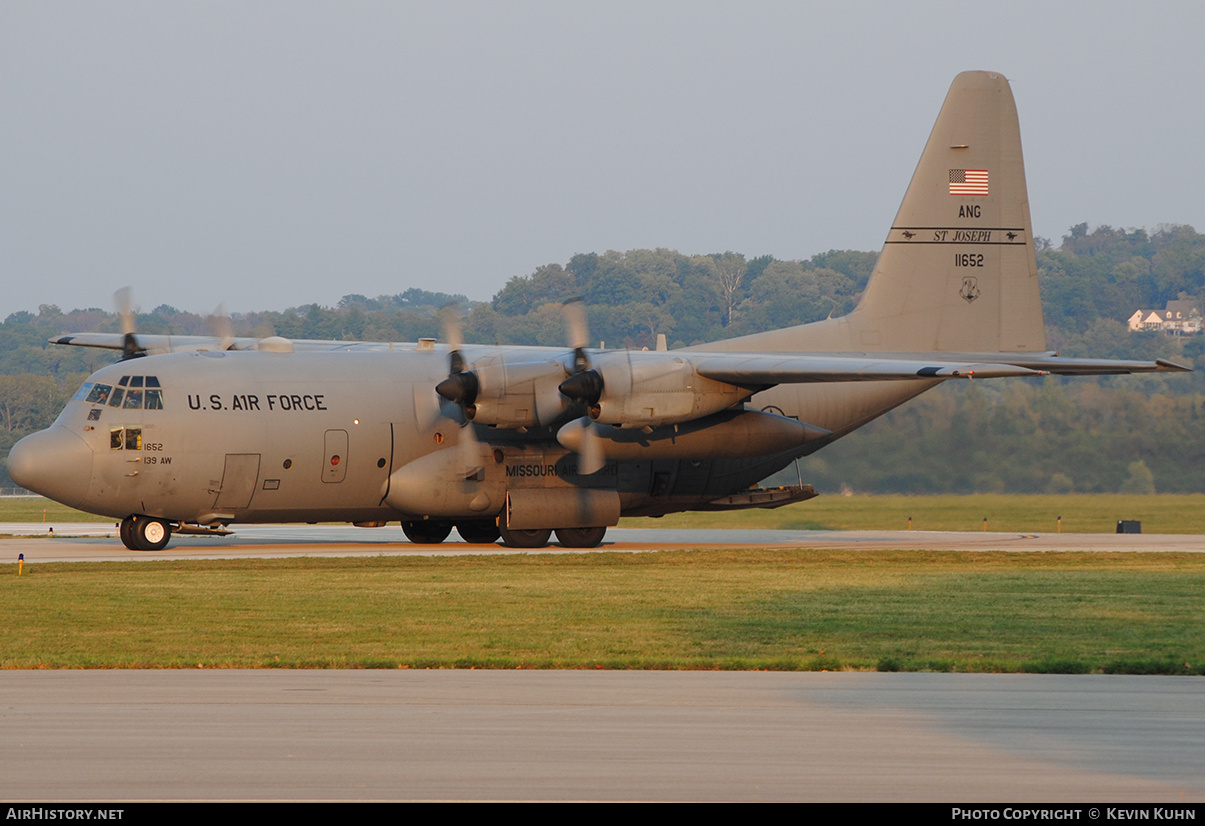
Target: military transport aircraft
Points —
{"points": [[190, 435]]}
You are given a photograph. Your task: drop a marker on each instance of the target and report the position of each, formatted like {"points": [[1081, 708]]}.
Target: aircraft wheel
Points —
{"points": [[426, 533], [581, 537], [480, 532], [149, 534], [535, 538], [126, 532]]}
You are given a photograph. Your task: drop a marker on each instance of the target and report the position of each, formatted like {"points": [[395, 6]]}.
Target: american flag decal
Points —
{"points": [[968, 181]]}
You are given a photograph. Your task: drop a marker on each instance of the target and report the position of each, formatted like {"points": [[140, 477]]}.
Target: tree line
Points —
{"points": [[1031, 435]]}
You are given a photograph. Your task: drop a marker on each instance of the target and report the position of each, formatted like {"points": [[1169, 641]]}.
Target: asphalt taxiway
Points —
{"points": [[75, 542], [615, 735]]}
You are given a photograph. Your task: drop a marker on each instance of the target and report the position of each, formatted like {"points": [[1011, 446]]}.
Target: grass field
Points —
{"points": [[1082, 513], [754, 609]]}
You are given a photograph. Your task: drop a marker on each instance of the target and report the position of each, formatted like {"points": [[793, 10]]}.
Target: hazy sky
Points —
{"points": [[268, 155]]}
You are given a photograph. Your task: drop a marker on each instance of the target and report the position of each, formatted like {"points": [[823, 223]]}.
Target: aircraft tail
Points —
{"points": [[957, 272]]}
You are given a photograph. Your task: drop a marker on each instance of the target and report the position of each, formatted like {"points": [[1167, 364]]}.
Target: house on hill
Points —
{"points": [[1181, 317]]}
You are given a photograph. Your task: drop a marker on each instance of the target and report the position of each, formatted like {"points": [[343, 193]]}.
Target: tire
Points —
{"points": [[426, 533], [149, 534], [580, 537], [480, 532], [535, 538], [126, 532]]}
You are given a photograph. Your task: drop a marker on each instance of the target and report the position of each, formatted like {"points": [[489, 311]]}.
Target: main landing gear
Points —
{"points": [[144, 533], [580, 537], [569, 537], [480, 532], [487, 532], [427, 532], [536, 538]]}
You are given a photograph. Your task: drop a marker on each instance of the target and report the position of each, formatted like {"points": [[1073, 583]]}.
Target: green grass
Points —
{"points": [[1082, 513], [1069, 612], [38, 509]]}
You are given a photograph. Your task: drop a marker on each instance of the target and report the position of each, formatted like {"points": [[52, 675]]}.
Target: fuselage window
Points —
{"points": [[125, 438]]}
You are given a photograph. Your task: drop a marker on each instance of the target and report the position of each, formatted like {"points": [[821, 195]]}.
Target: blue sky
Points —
{"points": [[267, 154]]}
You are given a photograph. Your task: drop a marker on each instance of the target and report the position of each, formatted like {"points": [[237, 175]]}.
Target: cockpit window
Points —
{"points": [[133, 398], [99, 393]]}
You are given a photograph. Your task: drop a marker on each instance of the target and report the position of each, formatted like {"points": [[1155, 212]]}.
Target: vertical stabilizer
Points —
{"points": [[957, 272]]}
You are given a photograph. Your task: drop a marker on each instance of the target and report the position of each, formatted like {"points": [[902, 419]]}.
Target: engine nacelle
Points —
{"points": [[514, 395], [647, 390]]}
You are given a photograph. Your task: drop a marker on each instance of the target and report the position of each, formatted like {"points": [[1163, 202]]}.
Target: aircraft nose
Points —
{"points": [[55, 463]]}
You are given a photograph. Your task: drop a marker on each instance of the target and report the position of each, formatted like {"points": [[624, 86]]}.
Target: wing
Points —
{"points": [[1053, 363], [155, 344], [766, 369]]}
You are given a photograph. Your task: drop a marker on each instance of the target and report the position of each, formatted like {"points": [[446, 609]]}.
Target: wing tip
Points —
{"points": [[1171, 366]]}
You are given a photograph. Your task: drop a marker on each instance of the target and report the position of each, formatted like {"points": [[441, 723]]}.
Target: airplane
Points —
{"points": [[192, 435]]}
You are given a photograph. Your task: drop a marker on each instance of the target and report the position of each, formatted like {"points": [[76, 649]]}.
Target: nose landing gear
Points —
{"points": [[144, 533]]}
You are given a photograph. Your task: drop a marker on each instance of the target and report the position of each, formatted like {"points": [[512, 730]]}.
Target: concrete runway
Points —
{"points": [[99, 542], [541, 735], [545, 735]]}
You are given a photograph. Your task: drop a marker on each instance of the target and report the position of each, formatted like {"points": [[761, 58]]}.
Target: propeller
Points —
{"points": [[219, 324], [460, 387], [579, 336], [584, 385], [581, 436], [124, 301], [470, 450]]}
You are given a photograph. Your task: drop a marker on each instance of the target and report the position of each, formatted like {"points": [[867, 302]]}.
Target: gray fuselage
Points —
{"points": [[307, 437]]}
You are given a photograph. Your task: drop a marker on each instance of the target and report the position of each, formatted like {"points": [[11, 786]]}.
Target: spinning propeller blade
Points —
{"points": [[124, 301]]}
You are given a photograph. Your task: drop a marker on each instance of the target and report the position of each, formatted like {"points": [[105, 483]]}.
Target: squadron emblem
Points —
{"points": [[970, 289]]}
